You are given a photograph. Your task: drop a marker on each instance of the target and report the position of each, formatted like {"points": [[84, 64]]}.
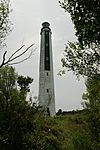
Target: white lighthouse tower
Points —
{"points": [[46, 78]]}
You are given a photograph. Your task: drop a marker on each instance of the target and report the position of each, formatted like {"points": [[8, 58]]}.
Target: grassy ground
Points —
{"points": [[71, 131]]}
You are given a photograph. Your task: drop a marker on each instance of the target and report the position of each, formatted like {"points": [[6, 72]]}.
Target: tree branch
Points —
{"points": [[16, 52], [3, 61], [20, 54], [13, 57], [21, 60]]}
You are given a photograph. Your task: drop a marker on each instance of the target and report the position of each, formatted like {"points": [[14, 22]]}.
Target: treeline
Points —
{"points": [[60, 112]]}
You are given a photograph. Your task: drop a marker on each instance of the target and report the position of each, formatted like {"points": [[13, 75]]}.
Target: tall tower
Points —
{"points": [[46, 78]]}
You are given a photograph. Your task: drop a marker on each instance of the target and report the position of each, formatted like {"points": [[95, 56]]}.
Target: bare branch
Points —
{"points": [[21, 53], [16, 52], [21, 60], [15, 63], [13, 57], [3, 61]]}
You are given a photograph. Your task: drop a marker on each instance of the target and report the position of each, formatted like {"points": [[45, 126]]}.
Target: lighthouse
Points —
{"points": [[46, 77]]}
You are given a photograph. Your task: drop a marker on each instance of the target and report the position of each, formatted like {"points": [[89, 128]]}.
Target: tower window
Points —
{"points": [[47, 73], [47, 90], [47, 51]]}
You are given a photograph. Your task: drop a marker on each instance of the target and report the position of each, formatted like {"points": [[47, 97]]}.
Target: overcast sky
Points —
{"points": [[27, 17]]}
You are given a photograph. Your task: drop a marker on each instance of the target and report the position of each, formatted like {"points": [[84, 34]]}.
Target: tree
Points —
{"points": [[5, 28], [92, 100], [59, 112], [17, 124], [22, 125], [23, 83], [82, 61], [83, 57], [16, 114], [85, 16], [9, 80], [13, 107], [4, 19]]}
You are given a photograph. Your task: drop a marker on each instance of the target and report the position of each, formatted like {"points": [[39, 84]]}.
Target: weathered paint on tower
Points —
{"points": [[46, 78]]}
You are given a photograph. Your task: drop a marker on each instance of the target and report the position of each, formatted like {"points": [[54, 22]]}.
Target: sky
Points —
{"points": [[27, 17]]}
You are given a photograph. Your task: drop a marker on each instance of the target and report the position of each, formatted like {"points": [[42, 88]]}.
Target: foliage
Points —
{"points": [[83, 57], [82, 61], [24, 82], [85, 15], [24, 126], [7, 80], [93, 104], [16, 124], [14, 112], [59, 112], [4, 18], [76, 134]]}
